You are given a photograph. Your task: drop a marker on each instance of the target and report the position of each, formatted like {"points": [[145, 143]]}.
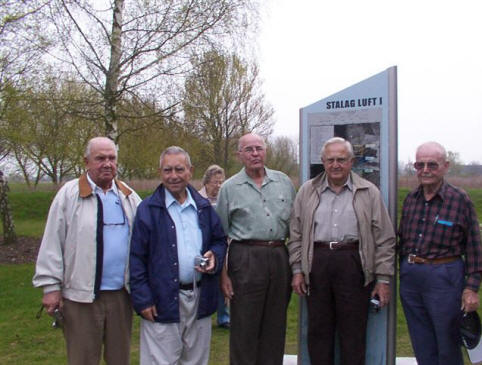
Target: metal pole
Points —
{"points": [[392, 204]]}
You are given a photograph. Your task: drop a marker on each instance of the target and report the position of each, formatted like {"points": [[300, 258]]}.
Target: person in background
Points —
{"points": [[440, 259], [212, 180], [177, 251], [342, 250], [82, 265], [254, 206]]}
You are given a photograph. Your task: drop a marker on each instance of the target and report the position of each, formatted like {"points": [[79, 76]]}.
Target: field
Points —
{"points": [[27, 340]]}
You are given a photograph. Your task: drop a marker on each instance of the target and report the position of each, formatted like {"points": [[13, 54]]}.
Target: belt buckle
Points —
{"points": [[270, 243], [333, 243], [411, 258]]}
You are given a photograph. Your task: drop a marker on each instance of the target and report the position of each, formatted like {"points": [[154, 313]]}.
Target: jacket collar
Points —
{"points": [[85, 190], [158, 198], [357, 182]]}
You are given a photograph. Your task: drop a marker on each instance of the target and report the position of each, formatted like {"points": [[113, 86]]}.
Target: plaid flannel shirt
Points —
{"points": [[445, 226]]}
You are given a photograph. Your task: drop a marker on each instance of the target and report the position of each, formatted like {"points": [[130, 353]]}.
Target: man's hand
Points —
{"points": [[51, 301], [383, 291], [211, 263], [470, 300], [149, 313], [226, 284], [298, 284]]}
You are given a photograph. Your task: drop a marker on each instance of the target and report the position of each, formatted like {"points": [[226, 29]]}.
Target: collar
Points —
{"points": [[441, 191], [85, 189], [357, 182], [96, 189], [348, 184], [269, 175], [171, 200]]}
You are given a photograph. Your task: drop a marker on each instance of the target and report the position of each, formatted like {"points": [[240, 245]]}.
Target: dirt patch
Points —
{"points": [[24, 251]]}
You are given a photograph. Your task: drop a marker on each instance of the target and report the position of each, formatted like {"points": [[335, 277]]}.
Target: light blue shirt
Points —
{"points": [[188, 235], [116, 237]]}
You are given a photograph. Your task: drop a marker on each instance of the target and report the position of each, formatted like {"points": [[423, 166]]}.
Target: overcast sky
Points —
{"points": [[311, 49]]}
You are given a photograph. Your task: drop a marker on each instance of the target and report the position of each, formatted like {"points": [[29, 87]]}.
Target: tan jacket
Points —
{"points": [[67, 257], [376, 233]]}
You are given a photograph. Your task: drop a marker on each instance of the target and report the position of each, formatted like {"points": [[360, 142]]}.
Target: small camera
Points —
{"points": [[201, 261], [375, 303], [58, 319]]}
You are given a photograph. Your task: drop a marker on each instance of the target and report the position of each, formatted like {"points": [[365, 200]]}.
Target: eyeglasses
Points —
{"points": [[331, 161], [251, 150], [432, 166]]}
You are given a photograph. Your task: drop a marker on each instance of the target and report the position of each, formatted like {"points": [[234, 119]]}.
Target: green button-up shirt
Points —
{"points": [[248, 212]]}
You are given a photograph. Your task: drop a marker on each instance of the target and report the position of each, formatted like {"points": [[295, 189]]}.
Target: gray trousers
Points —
{"points": [[183, 343], [261, 278]]}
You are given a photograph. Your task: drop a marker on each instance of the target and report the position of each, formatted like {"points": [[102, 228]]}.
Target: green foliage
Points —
{"points": [[46, 127], [223, 101]]}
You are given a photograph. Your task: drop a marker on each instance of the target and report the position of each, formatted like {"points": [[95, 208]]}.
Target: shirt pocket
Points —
{"points": [[283, 207], [447, 232]]}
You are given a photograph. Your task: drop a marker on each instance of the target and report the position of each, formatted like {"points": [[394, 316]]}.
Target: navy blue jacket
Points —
{"points": [[154, 274]]}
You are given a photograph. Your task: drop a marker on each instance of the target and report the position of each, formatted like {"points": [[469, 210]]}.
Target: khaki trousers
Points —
{"points": [[107, 321]]}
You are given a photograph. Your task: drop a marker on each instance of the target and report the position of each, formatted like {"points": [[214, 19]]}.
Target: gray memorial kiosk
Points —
{"points": [[366, 115]]}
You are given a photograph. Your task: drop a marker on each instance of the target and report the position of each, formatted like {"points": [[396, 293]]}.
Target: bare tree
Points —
{"points": [[282, 155], [137, 50], [456, 165], [222, 101]]}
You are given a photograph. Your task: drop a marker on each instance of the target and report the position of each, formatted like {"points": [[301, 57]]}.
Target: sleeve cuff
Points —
{"points": [[50, 288], [473, 282], [296, 268], [386, 279]]}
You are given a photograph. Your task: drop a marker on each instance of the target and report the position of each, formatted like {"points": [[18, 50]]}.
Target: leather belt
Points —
{"points": [[337, 245], [189, 286], [260, 243], [414, 259]]}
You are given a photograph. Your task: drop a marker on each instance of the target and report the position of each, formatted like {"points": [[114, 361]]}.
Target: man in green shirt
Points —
{"points": [[254, 206]]}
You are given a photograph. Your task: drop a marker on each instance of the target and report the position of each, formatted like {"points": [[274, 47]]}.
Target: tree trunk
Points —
{"points": [[9, 235], [112, 76]]}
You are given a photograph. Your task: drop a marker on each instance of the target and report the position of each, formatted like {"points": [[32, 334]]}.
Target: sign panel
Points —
{"points": [[366, 115]]}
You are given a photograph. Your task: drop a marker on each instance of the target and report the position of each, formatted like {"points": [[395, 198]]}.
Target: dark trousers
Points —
{"points": [[107, 321], [431, 298], [338, 301], [261, 278]]}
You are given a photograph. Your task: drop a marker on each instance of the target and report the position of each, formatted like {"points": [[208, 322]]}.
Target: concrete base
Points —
{"points": [[292, 360], [406, 361]]}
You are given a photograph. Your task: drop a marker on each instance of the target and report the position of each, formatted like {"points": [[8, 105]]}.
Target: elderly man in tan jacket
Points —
{"points": [[342, 247]]}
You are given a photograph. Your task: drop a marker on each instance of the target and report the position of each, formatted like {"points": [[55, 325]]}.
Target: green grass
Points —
{"points": [[26, 340]]}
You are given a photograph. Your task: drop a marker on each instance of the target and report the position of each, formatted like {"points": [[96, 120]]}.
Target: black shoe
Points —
{"points": [[225, 325]]}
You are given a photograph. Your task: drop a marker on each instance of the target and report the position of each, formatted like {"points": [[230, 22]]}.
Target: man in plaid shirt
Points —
{"points": [[438, 227]]}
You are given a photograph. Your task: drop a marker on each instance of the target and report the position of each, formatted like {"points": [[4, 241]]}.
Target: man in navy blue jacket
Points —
{"points": [[172, 287]]}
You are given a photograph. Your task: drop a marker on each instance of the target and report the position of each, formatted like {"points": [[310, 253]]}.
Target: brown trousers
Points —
{"points": [[338, 302], [107, 321], [261, 278]]}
